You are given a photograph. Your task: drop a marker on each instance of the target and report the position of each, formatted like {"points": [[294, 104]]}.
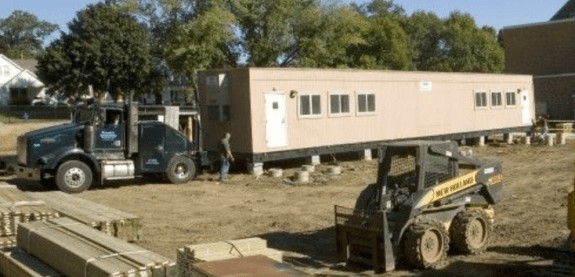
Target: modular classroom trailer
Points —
{"points": [[283, 113]]}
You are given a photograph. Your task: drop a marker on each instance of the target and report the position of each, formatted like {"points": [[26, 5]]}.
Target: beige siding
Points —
{"points": [[408, 104]]}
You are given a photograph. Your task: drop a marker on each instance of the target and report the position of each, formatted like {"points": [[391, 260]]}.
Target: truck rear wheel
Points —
{"points": [[73, 176], [180, 169], [426, 244], [470, 232]]}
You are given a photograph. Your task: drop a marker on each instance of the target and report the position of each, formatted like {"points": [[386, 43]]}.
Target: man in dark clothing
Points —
{"points": [[225, 156]]}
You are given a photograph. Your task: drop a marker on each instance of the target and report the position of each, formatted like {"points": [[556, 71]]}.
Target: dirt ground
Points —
{"points": [[529, 231]]}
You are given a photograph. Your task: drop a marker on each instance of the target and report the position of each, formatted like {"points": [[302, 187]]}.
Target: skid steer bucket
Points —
{"points": [[364, 239]]}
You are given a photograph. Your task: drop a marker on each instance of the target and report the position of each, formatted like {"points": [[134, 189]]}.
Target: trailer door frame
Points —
{"points": [[276, 119], [526, 116]]}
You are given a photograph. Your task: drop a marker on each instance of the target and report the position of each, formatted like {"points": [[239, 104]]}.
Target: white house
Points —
{"points": [[18, 83]]}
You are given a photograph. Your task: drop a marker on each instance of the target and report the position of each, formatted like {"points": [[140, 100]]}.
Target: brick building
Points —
{"points": [[547, 51]]}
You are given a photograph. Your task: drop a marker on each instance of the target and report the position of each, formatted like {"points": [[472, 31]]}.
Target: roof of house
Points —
{"points": [[567, 11], [29, 64]]}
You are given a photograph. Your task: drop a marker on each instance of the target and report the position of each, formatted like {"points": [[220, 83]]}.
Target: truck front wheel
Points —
{"points": [[180, 169], [74, 176]]}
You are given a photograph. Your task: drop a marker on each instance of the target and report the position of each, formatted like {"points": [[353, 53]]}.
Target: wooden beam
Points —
{"points": [[111, 221], [75, 249]]}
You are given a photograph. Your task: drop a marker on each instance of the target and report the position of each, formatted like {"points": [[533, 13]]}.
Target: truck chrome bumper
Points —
{"points": [[28, 173]]}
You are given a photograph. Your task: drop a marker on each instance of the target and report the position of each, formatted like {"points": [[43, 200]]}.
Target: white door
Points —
{"points": [[276, 120], [526, 115]]}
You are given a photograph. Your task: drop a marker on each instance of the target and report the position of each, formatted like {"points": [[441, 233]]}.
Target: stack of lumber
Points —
{"points": [[106, 219], [191, 254], [75, 249], [17, 263], [16, 207]]}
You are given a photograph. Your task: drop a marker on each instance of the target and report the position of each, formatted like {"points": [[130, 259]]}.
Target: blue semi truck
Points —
{"points": [[107, 141]]}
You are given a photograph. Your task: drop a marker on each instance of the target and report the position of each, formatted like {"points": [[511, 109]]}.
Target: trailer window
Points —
{"points": [[338, 104], [309, 105], [496, 99], [510, 99], [366, 103], [480, 99]]}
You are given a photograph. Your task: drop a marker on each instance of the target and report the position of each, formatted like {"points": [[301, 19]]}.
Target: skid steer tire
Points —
{"points": [[426, 244], [470, 232]]}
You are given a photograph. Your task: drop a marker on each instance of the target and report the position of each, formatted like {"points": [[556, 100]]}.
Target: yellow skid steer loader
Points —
{"points": [[428, 197]]}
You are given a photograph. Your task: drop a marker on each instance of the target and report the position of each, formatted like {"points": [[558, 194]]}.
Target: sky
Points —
{"points": [[495, 13]]}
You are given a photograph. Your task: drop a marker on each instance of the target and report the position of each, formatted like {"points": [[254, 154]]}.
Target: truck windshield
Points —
{"points": [[83, 115]]}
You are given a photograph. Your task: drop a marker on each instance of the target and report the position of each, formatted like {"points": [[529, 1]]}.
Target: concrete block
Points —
{"points": [[314, 160], [256, 169], [367, 155], [551, 139]]}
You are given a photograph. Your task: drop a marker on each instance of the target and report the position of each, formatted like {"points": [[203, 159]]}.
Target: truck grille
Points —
{"points": [[21, 148]]}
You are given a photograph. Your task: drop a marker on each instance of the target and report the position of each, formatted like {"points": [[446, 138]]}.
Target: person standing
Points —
{"points": [[225, 156]]}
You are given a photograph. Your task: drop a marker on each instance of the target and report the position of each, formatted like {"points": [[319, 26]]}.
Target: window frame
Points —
{"points": [[358, 102], [507, 105], [486, 99], [310, 96], [491, 99], [340, 95]]}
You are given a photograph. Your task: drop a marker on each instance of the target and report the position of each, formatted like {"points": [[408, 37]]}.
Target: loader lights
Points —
{"points": [[496, 179]]}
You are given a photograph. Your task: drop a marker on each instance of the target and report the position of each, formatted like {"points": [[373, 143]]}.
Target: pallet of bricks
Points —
{"points": [[242, 257]]}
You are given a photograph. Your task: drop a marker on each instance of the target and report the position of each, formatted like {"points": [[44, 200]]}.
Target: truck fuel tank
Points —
{"points": [[117, 169]]}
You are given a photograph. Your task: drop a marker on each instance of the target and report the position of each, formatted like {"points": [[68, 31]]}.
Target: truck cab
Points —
{"points": [[105, 141]]}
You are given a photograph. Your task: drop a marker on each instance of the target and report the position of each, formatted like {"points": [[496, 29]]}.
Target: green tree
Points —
{"points": [[464, 47], [186, 36], [269, 30], [324, 37], [204, 39], [425, 31], [386, 46], [386, 43], [22, 34], [104, 48]]}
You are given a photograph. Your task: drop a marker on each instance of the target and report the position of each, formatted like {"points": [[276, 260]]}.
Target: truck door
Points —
{"points": [[151, 147], [110, 132]]}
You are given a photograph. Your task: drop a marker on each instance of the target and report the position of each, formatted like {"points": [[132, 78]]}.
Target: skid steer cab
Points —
{"points": [[427, 198], [106, 141]]}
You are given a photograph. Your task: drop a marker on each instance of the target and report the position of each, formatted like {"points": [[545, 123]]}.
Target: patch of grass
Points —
{"points": [[10, 119]]}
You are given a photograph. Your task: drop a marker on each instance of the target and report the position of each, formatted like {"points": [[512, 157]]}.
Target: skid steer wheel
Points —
{"points": [[470, 232], [180, 170], [426, 244], [73, 176]]}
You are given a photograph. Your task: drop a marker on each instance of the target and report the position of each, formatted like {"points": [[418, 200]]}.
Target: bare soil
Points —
{"points": [[530, 222]]}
